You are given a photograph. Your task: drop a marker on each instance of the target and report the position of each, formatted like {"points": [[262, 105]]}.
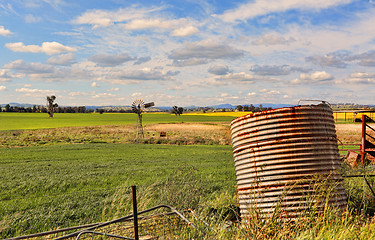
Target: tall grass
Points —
{"points": [[213, 212], [316, 222], [216, 217]]}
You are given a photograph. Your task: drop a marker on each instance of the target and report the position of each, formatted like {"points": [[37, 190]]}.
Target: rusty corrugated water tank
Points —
{"points": [[279, 153]]}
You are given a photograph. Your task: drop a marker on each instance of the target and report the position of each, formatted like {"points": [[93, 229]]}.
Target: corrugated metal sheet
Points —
{"points": [[279, 155]]}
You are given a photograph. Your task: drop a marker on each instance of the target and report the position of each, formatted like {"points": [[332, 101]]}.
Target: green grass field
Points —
{"points": [[58, 186], [17, 121], [78, 168]]}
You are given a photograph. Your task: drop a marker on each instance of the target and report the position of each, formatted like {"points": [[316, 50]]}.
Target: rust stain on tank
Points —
{"points": [[248, 133]]}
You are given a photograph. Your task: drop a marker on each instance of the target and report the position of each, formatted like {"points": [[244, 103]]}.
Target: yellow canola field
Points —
{"points": [[349, 116], [338, 116], [230, 114]]}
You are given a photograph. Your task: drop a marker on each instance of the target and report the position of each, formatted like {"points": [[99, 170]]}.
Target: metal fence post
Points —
{"points": [[363, 142], [135, 212]]}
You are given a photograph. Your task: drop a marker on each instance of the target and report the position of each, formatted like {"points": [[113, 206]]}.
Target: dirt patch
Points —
{"points": [[189, 133], [351, 133]]}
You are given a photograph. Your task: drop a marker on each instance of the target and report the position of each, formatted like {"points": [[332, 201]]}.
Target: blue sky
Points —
{"points": [[187, 52]]}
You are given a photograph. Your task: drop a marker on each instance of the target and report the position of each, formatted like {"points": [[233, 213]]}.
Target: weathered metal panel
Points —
{"points": [[279, 155]]}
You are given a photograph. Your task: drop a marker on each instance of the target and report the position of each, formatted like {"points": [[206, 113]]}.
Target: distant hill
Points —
{"points": [[19, 105], [168, 108], [272, 105]]}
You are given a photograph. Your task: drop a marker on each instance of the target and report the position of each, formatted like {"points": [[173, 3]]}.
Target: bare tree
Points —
{"points": [[51, 106]]}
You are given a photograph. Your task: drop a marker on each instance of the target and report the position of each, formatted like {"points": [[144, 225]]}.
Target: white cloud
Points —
{"points": [[315, 77], [260, 8], [27, 85], [252, 94], [39, 3], [276, 70], [141, 60], [136, 94], [207, 49], [365, 59], [181, 27], [103, 18], [219, 69], [8, 8], [104, 95], [113, 90], [145, 74], [4, 32], [110, 60], [49, 48], [29, 68], [74, 94], [184, 31], [361, 77], [357, 32], [62, 59], [237, 77], [29, 18], [94, 84], [43, 72], [330, 60], [273, 39], [342, 59], [230, 78], [2, 88], [6, 75], [138, 24], [35, 91], [273, 92], [189, 62], [175, 88]]}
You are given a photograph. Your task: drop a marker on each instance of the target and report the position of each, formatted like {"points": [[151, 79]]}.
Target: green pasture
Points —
{"points": [[18, 121], [43, 188], [55, 186]]}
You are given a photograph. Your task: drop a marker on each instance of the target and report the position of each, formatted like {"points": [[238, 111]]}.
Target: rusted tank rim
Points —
{"points": [[319, 109]]}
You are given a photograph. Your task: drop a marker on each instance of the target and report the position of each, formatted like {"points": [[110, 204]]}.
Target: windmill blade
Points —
{"points": [[137, 106], [150, 104]]}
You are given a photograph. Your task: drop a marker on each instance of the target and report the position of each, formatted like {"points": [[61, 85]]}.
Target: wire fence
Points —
{"points": [[28, 215]]}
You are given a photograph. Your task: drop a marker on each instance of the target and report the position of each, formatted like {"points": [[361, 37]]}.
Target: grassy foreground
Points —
{"points": [[43, 188], [49, 187], [54, 185]]}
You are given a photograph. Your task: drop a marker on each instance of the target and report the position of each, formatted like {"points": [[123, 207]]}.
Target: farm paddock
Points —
{"points": [[83, 174]]}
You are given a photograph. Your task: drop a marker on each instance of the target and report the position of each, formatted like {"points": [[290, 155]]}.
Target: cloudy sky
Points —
{"points": [[194, 52]]}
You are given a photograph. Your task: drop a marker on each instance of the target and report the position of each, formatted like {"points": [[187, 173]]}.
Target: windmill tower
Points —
{"points": [[138, 107]]}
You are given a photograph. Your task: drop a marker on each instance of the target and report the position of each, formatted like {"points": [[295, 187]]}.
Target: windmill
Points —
{"points": [[138, 107]]}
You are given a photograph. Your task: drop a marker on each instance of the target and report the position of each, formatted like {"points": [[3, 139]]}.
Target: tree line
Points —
{"points": [[43, 109], [252, 108], [53, 107]]}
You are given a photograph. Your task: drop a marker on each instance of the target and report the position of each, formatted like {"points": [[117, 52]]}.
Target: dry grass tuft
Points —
{"points": [[351, 133], [181, 133]]}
